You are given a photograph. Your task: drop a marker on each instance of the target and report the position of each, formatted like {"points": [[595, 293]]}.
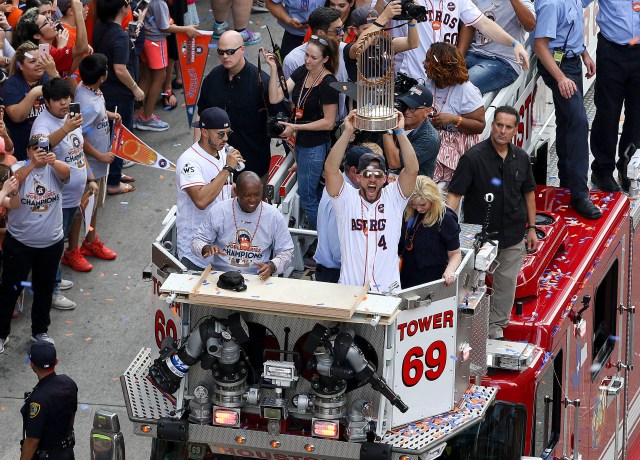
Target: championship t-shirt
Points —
{"points": [[244, 238], [196, 167], [69, 151], [37, 222], [95, 126], [455, 99]]}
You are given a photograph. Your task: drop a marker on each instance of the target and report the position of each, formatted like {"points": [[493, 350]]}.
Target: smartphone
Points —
{"points": [[43, 143], [44, 48], [59, 27], [74, 109], [132, 29], [142, 5]]}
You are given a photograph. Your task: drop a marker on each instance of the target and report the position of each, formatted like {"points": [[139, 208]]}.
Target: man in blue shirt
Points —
{"points": [[618, 81], [327, 254], [559, 44]]}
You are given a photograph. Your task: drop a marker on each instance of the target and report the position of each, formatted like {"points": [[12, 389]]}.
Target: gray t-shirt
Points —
{"points": [[245, 238], [69, 151], [38, 221], [157, 18], [95, 126], [505, 16]]}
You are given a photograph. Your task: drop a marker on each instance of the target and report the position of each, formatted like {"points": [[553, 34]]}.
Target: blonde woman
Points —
{"points": [[430, 244]]}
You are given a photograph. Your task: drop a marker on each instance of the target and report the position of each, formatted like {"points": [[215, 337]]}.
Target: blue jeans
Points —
{"points": [[67, 220], [310, 162], [489, 73]]}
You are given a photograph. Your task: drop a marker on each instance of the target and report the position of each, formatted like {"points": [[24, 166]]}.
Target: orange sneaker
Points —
{"points": [[97, 249], [76, 261]]}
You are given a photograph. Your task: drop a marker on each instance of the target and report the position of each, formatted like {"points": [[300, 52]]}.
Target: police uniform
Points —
{"points": [[617, 81], [48, 413], [561, 21]]}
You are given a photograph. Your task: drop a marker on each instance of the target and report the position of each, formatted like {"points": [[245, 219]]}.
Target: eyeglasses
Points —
{"points": [[375, 174], [222, 134], [45, 23], [228, 52], [338, 30], [413, 109], [320, 40]]}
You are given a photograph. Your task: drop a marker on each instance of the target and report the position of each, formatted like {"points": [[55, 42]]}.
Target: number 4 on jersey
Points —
{"points": [[382, 243]]}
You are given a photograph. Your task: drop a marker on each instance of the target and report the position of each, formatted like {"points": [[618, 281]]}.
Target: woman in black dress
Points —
{"points": [[430, 244]]}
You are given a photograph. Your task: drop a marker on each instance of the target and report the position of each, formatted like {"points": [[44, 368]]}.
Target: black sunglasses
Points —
{"points": [[320, 40], [228, 52], [221, 134]]}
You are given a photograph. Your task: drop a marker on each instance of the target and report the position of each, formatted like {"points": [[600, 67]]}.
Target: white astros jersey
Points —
{"points": [[369, 235]]}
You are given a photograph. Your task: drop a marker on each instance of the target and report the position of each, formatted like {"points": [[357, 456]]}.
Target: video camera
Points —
{"points": [[274, 128], [411, 11], [403, 83]]}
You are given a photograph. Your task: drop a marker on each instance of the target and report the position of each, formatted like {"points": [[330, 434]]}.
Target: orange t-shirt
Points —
{"points": [[12, 18]]}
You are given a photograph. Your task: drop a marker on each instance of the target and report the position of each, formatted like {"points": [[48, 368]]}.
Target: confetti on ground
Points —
{"points": [[161, 176], [69, 335], [84, 407], [118, 378], [101, 274], [68, 322], [87, 293], [87, 338], [109, 300], [124, 202]]}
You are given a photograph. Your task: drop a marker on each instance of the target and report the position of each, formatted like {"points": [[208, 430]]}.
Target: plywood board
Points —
{"points": [[310, 298]]}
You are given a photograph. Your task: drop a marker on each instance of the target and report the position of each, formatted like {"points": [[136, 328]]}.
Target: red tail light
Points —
{"points": [[226, 417], [325, 429]]}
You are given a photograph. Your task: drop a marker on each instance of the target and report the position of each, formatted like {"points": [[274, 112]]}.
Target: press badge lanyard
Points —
{"points": [[303, 100]]}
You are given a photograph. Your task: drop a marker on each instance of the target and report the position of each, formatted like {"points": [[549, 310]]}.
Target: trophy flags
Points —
{"points": [[193, 59], [127, 146]]}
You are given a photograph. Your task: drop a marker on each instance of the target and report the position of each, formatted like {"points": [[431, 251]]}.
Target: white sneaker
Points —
{"points": [[127, 164], [65, 284], [60, 302], [42, 336], [3, 342]]}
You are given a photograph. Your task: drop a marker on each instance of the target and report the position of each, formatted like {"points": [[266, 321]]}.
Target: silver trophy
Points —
{"points": [[375, 62]]}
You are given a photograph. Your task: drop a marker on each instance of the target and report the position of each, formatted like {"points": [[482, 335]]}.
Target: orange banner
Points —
{"points": [[127, 146], [193, 59]]}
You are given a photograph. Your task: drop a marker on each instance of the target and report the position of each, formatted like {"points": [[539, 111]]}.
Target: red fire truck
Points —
{"points": [[409, 376]]}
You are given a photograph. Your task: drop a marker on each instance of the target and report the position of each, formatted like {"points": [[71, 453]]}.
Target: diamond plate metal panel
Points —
{"points": [[145, 403], [419, 436], [478, 340]]}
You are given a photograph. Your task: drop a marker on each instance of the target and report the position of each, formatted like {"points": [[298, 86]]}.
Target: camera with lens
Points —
{"points": [[411, 11], [274, 128], [402, 85]]}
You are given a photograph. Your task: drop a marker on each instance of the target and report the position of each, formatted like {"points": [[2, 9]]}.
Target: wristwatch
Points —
{"points": [[228, 168], [529, 226]]}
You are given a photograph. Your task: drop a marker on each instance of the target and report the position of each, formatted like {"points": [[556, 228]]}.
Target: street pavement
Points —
{"points": [[97, 341]]}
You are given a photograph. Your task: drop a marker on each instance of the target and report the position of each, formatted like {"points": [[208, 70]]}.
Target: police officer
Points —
{"points": [[559, 44], [618, 81], [49, 411]]}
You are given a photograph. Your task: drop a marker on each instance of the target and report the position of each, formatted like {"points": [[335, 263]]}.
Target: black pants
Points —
{"points": [[125, 109], [572, 129], [18, 259], [617, 81], [289, 42], [327, 275]]}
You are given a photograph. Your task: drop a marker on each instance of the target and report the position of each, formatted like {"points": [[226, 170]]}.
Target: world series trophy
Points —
{"points": [[375, 86]]}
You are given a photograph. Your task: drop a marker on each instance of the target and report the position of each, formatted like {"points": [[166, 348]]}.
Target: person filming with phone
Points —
{"points": [[34, 239]]}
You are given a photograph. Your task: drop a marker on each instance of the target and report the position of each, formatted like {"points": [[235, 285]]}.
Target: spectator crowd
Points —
{"points": [[71, 69]]}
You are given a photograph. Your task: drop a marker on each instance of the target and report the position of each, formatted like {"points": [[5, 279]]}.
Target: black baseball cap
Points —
{"points": [[43, 354], [417, 96], [212, 118], [363, 15], [368, 158], [353, 155]]}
